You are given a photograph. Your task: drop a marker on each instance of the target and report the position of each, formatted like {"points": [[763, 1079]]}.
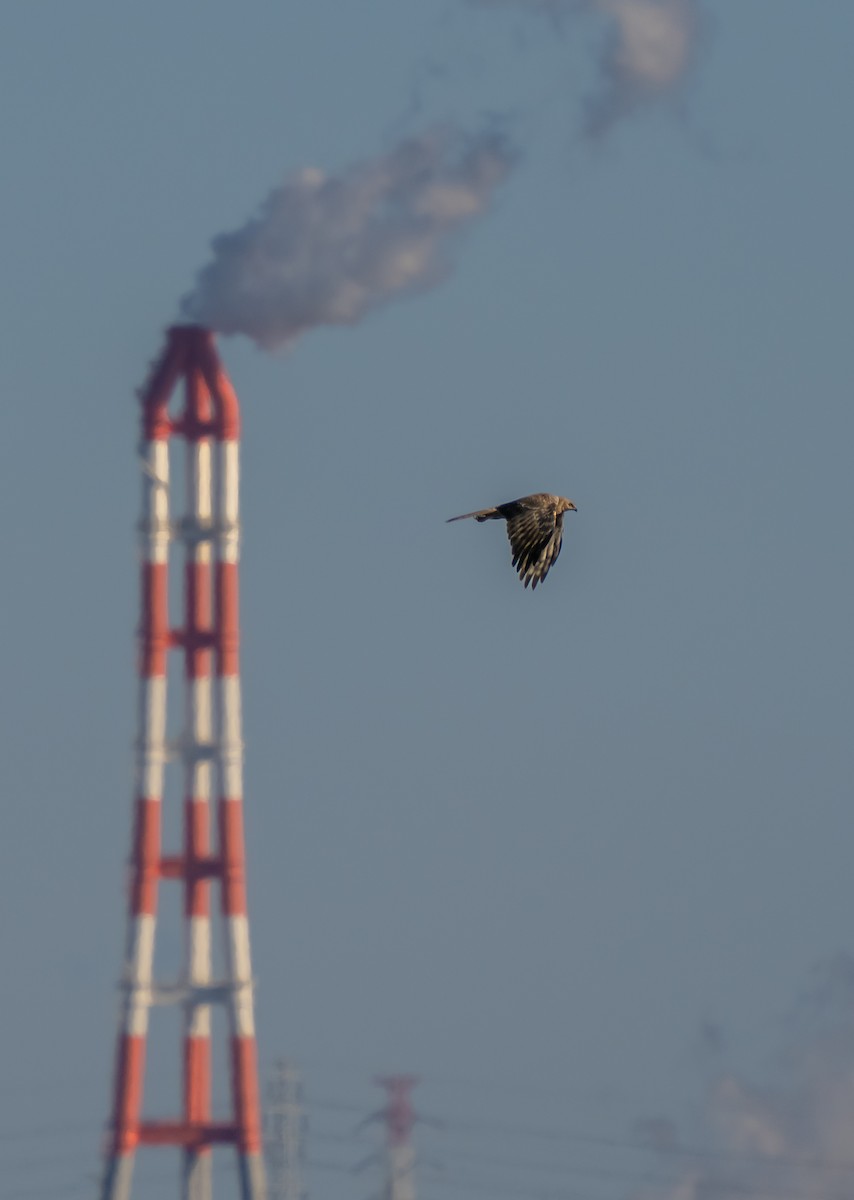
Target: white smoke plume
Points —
{"points": [[325, 249], [789, 1136], [647, 52], [649, 48]]}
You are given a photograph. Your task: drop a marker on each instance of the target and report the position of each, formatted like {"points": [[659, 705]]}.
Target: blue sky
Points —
{"points": [[525, 845]]}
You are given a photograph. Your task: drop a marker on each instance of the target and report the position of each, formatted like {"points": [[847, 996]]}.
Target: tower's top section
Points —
{"points": [[190, 354]]}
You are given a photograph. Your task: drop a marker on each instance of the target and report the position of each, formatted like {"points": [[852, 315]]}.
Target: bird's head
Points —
{"points": [[568, 506]]}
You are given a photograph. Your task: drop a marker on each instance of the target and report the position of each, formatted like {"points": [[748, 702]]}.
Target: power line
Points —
{"points": [[684, 1151], [452, 1125], [676, 1155], [459, 1145]]}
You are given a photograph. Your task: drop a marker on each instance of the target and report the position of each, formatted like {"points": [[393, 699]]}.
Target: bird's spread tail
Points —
{"points": [[482, 514]]}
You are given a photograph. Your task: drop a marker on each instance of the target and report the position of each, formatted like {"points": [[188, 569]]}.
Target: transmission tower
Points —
{"points": [[399, 1118], [210, 750], [285, 1134]]}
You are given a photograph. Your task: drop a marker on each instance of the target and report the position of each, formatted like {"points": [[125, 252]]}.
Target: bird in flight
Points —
{"points": [[535, 530]]}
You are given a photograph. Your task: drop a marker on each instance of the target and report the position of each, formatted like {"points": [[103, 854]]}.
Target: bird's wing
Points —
{"points": [[535, 536], [482, 514]]}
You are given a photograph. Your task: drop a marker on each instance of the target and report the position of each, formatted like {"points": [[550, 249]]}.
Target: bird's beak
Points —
{"points": [[572, 508]]}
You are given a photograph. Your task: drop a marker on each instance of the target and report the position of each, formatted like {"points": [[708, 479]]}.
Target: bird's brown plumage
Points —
{"points": [[535, 530]]}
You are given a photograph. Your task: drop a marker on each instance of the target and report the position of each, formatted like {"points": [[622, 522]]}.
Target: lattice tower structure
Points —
{"points": [[285, 1134], [210, 749]]}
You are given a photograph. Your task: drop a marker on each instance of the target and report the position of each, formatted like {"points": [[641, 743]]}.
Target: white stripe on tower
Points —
{"points": [[244, 1075], [150, 759], [196, 530]]}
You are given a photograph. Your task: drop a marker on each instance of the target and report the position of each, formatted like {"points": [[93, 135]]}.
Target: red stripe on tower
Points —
{"points": [[210, 748]]}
